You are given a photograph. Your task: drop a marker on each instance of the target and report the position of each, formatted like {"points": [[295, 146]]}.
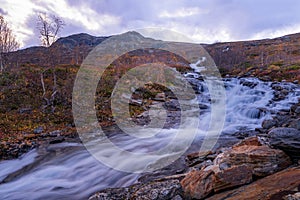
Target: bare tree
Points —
{"points": [[49, 28], [8, 41]]}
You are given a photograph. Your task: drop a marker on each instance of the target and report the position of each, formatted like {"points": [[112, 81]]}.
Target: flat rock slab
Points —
{"points": [[271, 187]]}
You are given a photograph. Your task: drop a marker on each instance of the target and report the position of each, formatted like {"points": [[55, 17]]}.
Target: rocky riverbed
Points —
{"points": [[257, 147], [16, 147], [265, 166]]}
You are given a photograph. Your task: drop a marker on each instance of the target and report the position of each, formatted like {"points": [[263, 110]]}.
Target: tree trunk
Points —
{"points": [[1, 64], [49, 101]]}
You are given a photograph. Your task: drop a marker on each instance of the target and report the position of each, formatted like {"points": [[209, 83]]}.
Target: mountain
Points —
{"points": [[66, 50], [81, 39], [275, 59]]}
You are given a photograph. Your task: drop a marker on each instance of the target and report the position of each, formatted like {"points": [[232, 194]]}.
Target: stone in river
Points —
{"points": [[286, 139]]}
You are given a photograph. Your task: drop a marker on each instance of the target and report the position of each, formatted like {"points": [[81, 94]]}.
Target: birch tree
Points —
{"points": [[8, 41], [49, 28]]}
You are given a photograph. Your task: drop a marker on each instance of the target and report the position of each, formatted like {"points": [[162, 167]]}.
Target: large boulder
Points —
{"points": [[198, 184], [286, 139], [260, 158], [268, 123], [275, 186], [232, 177], [234, 167], [295, 123]]}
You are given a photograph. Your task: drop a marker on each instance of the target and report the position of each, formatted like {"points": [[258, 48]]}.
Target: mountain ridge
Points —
{"points": [[265, 57]]}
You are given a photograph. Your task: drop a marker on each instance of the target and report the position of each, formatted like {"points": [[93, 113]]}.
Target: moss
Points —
{"points": [[293, 67], [278, 63]]}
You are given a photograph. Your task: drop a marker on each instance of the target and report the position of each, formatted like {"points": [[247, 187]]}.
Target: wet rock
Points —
{"points": [[262, 159], [265, 78], [57, 140], [38, 130], [225, 141], [278, 96], [261, 130], [282, 119], [286, 139], [255, 113], [267, 188], [295, 109], [295, 123], [112, 194], [136, 102], [279, 92], [55, 133], [202, 165], [10, 150], [284, 92], [268, 123], [251, 141], [177, 197], [158, 190], [197, 157], [232, 177], [233, 167], [245, 134], [295, 196], [160, 97], [276, 86], [198, 184], [203, 106], [25, 111], [250, 84], [172, 105], [177, 167]]}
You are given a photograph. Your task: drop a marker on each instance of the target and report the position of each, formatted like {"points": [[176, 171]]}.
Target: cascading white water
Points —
{"points": [[68, 171]]}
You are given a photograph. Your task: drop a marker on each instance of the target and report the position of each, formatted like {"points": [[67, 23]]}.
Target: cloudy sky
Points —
{"points": [[205, 21]]}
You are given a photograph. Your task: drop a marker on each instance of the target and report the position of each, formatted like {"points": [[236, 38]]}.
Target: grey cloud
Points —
{"points": [[2, 12], [242, 19]]}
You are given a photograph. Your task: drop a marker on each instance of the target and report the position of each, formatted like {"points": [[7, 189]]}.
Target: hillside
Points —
{"points": [[269, 59], [274, 59], [26, 109]]}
